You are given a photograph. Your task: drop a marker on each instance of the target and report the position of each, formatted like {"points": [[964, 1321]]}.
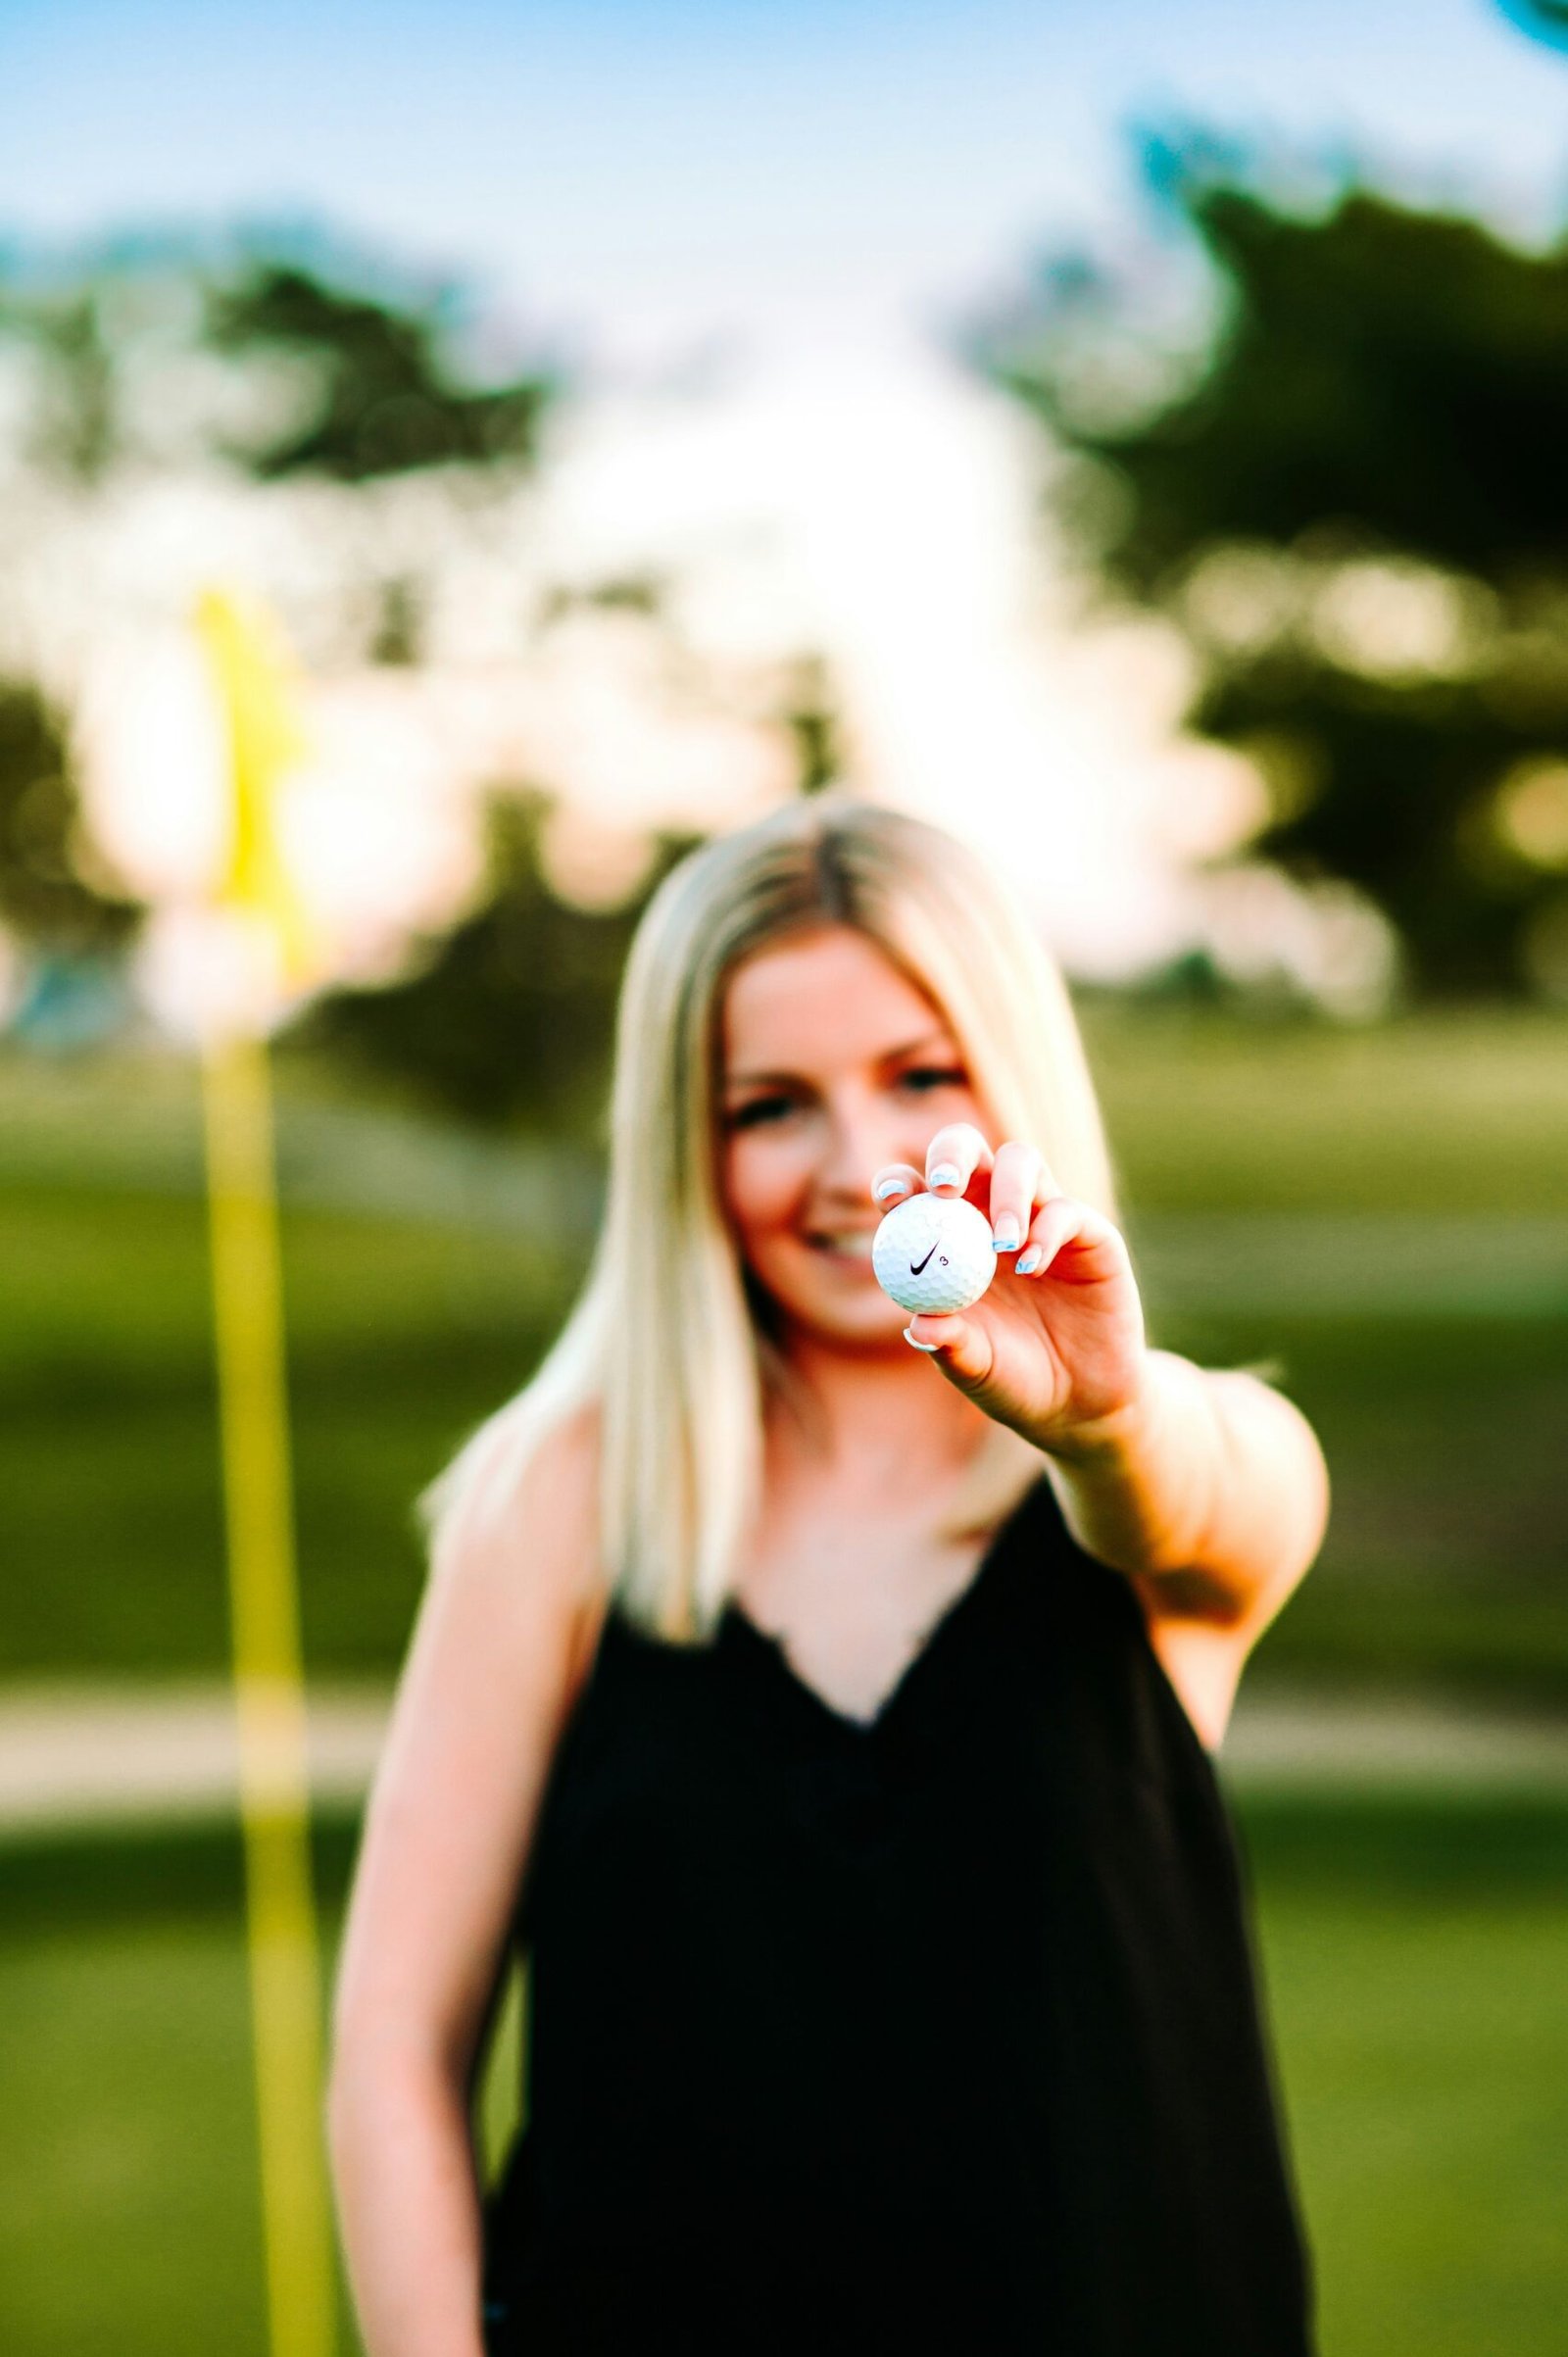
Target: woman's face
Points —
{"points": [[834, 1065]]}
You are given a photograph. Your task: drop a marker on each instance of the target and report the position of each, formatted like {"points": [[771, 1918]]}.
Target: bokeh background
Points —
{"points": [[1137, 437]]}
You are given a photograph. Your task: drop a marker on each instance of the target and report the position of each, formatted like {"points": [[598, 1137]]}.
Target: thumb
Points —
{"points": [[959, 1345]]}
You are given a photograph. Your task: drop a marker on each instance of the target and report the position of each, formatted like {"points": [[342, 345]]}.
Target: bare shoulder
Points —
{"points": [[516, 1568], [544, 1512], [508, 1625]]}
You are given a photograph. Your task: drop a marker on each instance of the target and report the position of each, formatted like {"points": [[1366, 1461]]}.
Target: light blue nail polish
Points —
{"points": [[917, 1344], [1027, 1262], [945, 1174], [1005, 1238], [888, 1186]]}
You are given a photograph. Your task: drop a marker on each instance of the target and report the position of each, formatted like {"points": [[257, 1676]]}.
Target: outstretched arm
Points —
{"points": [[1208, 1490]]}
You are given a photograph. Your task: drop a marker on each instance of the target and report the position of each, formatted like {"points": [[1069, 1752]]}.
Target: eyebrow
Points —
{"points": [[892, 1056]]}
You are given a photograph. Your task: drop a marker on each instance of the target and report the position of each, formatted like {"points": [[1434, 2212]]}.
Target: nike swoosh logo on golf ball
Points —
{"points": [[913, 1270]]}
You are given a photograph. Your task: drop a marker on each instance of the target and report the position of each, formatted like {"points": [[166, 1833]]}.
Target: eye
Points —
{"points": [[757, 1111], [922, 1079]]}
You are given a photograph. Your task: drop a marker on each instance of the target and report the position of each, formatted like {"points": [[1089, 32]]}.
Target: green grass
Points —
{"points": [[1426, 2059], [1416, 1958], [129, 2188], [1442, 1113], [1415, 1955]]}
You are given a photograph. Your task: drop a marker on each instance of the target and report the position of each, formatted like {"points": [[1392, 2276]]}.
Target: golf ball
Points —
{"points": [[933, 1252]]}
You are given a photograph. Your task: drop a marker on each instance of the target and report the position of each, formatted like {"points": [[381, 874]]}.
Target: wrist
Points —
{"points": [[1114, 1435]]}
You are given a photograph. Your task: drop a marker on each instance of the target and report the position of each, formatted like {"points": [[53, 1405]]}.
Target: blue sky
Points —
{"points": [[644, 177]]}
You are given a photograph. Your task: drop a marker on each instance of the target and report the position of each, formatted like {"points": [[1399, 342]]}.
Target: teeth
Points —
{"points": [[855, 1244]]}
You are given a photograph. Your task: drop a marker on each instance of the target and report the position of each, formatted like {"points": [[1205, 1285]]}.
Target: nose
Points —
{"points": [[860, 1139]]}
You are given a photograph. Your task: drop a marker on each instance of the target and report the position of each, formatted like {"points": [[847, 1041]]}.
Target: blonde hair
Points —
{"points": [[663, 1344]]}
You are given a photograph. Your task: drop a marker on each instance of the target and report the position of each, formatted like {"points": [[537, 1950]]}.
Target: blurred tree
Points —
{"points": [[76, 429], [386, 392], [378, 379], [1354, 500], [510, 1020], [50, 896], [813, 719]]}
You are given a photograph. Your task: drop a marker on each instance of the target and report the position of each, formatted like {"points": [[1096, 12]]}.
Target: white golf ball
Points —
{"points": [[933, 1252]]}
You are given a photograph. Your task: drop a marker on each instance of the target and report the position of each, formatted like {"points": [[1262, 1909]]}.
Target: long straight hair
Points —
{"points": [[665, 1345]]}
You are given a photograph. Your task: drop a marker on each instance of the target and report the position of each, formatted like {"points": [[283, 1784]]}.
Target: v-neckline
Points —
{"points": [[932, 1644]]}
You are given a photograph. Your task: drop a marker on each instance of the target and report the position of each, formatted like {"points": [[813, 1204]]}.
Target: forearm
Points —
{"points": [[1212, 1482], [408, 2207]]}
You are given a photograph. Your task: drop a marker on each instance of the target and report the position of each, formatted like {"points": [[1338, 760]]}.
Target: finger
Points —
{"points": [[952, 1158], [1097, 1246], [959, 1347], [894, 1181], [1014, 1193]]}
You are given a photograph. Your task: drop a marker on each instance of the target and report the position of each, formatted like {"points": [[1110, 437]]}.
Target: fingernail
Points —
{"points": [[1027, 1262], [888, 1186], [915, 1343], [945, 1174], [1005, 1234]]}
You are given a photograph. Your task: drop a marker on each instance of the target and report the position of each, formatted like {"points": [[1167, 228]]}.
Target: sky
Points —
{"points": [[646, 177], [754, 229]]}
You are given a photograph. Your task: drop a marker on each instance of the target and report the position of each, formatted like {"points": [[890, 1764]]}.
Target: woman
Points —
{"points": [[829, 1718]]}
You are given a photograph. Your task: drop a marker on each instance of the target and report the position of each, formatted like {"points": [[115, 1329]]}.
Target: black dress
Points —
{"points": [[933, 2033]]}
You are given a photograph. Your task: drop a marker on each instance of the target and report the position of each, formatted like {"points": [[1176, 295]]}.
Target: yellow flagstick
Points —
{"points": [[270, 1692]]}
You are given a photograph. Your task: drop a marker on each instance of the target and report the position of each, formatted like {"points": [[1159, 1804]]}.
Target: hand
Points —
{"points": [[1055, 1346]]}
